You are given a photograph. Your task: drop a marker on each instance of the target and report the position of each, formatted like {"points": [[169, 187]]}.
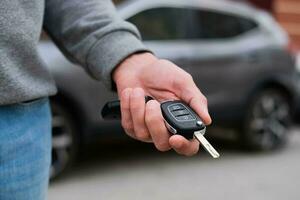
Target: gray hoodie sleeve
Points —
{"points": [[90, 33]]}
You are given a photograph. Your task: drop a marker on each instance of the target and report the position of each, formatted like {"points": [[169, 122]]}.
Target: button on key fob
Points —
{"points": [[182, 120]]}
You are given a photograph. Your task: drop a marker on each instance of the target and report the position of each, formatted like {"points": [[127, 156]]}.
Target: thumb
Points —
{"points": [[187, 91]]}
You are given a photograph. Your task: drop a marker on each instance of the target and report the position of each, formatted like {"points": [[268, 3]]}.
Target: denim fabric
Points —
{"points": [[25, 150]]}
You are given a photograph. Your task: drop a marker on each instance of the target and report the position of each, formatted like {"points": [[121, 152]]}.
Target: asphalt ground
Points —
{"points": [[132, 170]]}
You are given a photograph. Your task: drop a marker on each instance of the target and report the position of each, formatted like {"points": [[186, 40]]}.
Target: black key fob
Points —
{"points": [[181, 119]]}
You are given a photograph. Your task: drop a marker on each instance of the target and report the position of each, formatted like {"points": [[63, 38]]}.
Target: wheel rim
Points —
{"points": [[269, 120], [62, 142]]}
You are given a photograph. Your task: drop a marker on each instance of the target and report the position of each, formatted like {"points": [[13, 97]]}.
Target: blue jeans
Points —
{"points": [[25, 150]]}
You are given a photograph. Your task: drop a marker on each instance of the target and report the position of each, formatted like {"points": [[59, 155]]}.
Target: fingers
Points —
{"points": [[183, 146], [137, 110], [126, 119], [155, 124], [145, 122]]}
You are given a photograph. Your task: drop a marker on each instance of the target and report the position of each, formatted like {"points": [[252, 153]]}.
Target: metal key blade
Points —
{"points": [[207, 146]]}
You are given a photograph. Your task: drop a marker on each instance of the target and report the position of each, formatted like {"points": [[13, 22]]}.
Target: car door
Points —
{"points": [[224, 54]]}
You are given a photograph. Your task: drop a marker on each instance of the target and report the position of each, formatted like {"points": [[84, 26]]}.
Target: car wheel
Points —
{"points": [[267, 121], [64, 140]]}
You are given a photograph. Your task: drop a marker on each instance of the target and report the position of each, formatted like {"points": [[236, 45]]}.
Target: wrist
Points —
{"points": [[132, 64]]}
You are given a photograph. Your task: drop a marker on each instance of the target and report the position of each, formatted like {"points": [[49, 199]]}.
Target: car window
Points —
{"points": [[160, 24], [189, 23], [213, 25]]}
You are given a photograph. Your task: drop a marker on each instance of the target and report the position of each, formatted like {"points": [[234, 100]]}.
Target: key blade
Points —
{"points": [[207, 146]]}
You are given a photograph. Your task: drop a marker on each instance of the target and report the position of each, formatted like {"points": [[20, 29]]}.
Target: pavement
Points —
{"points": [[129, 171]]}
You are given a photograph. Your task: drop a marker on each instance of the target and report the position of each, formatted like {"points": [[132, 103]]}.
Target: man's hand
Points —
{"points": [[143, 74]]}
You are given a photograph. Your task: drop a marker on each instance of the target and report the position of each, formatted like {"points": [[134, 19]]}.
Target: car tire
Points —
{"points": [[267, 121], [64, 140]]}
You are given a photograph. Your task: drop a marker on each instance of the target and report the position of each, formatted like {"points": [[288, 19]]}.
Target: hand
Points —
{"points": [[144, 74]]}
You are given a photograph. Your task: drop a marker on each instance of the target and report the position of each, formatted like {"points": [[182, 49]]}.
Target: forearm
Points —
{"points": [[91, 33]]}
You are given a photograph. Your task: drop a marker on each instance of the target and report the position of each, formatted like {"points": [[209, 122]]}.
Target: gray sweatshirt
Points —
{"points": [[89, 32]]}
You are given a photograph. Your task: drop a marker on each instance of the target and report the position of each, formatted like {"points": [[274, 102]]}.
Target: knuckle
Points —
{"points": [[127, 125], [136, 98], [138, 91], [204, 100], [142, 135], [125, 92], [188, 76], [184, 80], [165, 62]]}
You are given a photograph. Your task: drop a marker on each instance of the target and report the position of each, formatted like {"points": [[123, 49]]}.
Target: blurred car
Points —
{"points": [[297, 109], [237, 55]]}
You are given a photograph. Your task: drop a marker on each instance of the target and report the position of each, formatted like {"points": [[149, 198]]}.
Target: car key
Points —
{"points": [[182, 120], [179, 119]]}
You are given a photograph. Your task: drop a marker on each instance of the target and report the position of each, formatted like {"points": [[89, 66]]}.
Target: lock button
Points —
{"points": [[185, 117]]}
